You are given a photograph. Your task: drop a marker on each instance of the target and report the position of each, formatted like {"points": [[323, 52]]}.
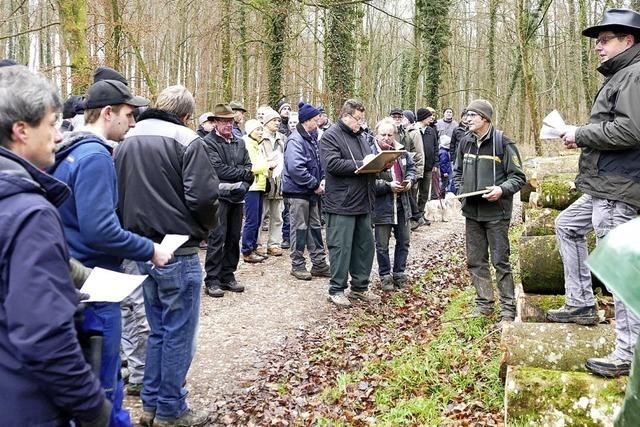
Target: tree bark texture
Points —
{"points": [[557, 191], [540, 222]]}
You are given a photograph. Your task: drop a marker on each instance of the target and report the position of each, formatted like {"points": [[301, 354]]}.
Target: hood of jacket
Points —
{"points": [[20, 176], [72, 140]]}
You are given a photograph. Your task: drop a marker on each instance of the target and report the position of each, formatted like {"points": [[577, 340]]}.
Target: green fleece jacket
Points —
{"points": [[478, 166]]}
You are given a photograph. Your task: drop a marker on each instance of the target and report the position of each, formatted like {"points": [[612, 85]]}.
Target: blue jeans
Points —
{"points": [[252, 220], [172, 303], [401, 232]]}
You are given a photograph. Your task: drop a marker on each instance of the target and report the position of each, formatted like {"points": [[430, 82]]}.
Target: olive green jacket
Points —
{"points": [[610, 158], [478, 165]]}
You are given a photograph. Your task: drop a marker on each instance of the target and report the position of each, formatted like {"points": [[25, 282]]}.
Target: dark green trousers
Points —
{"points": [[351, 250]]}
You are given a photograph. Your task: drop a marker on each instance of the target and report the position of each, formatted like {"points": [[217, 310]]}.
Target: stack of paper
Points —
{"points": [[553, 126]]}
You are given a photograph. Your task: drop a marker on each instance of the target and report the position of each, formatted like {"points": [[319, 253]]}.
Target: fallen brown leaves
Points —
{"points": [[294, 385]]}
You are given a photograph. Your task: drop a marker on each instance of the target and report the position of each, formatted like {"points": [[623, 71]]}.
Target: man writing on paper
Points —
{"points": [[488, 160], [45, 380], [349, 199], [176, 193], [609, 178]]}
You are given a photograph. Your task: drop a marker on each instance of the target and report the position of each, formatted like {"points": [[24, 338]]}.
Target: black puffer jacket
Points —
{"points": [[232, 164], [610, 159], [166, 185]]}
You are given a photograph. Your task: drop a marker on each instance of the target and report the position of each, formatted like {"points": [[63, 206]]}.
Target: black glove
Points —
{"points": [[238, 193]]}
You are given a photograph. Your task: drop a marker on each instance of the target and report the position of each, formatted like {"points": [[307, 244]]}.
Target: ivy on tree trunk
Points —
{"points": [[276, 22]]}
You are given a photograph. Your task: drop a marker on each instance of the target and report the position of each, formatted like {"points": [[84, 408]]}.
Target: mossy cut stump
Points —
{"points": [[532, 308], [559, 346], [541, 268], [540, 221], [537, 168], [540, 397], [557, 191]]}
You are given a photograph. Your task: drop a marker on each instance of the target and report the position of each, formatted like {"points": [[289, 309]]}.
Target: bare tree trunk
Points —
{"points": [[493, 12]]}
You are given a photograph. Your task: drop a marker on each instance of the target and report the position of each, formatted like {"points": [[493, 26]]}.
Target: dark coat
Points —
{"points": [[387, 202], [302, 168], [456, 137], [44, 377], [478, 167], [166, 184], [430, 144], [341, 153], [610, 158], [232, 164]]}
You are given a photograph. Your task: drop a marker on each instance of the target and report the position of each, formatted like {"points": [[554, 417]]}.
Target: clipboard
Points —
{"points": [[377, 162], [473, 193]]}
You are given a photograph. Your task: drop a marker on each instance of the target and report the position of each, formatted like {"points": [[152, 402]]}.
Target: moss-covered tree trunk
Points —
{"points": [[559, 346], [540, 222], [585, 61], [73, 22], [432, 18], [537, 168], [340, 52], [276, 22], [540, 397], [227, 61], [244, 56], [557, 191]]}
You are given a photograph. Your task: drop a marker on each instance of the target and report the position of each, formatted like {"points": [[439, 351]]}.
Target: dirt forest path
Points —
{"points": [[239, 331]]}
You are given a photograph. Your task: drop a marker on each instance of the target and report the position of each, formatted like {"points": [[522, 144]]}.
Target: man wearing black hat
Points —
{"points": [[609, 178], [91, 226], [427, 137], [488, 160]]}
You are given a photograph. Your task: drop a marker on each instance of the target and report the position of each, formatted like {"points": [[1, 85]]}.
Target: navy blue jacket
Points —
{"points": [[44, 379], [302, 169], [93, 230]]}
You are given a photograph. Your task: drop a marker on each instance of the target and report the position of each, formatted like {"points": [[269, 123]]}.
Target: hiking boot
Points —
{"points": [[214, 291], [366, 296], [285, 244], [301, 274], [609, 366], [190, 418], [261, 250], [232, 286], [134, 389], [264, 256], [252, 258], [386, 283], [414, 224], [481, 312], [340, 300], [571, 314], [321, 271], [400, 280], [146, 419], [274, 251]]}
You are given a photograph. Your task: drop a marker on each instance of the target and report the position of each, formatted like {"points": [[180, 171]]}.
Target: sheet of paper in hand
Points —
{"points": [[375, 163], [552, 126], [110, 286]]}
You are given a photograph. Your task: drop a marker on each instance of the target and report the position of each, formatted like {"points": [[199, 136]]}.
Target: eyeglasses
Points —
{"points": [[605, 39], [359, 121], [471, 115]]}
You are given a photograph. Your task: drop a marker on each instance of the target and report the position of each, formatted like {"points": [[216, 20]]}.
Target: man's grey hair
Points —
{"points": [[177, 100], [387, 121], [24, 97], [351, 106]]}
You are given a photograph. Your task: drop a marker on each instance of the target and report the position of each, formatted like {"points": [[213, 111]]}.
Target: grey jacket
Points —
{"points": [[610, 159]]}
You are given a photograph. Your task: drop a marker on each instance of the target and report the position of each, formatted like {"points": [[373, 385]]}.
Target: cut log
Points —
{"points": [[559, 346], [537, 168], [540, 222], [557, 191], [526, 191], [541, 269], [539, 397], [533, 308]]}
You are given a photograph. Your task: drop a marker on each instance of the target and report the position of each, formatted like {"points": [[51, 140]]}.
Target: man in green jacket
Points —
{"points": [[609, 178], [487, 160]]}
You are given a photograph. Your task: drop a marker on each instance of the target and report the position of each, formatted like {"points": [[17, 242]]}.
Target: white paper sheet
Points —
{"points": [[171, 242], [553, 126], [110, 286]]}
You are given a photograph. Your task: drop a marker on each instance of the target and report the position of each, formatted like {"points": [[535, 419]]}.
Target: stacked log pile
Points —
{"points": [[543, 364]]}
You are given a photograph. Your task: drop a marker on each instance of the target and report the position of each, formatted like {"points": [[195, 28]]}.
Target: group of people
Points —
{"points": [[124, 174]]}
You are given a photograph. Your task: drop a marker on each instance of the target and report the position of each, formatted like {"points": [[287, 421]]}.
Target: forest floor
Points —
{"points": [[281, 354]]}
